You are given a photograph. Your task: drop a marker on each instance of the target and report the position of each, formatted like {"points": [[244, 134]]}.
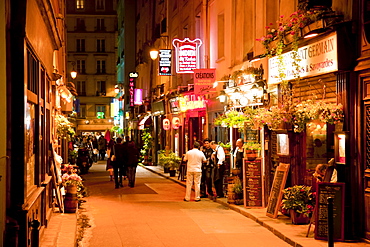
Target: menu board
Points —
{"points": [[253, 185], [251, 135], [276, 192], [336, 191]]}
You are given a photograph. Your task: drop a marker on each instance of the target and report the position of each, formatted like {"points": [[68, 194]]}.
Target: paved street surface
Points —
{"points": [[153, 213]]}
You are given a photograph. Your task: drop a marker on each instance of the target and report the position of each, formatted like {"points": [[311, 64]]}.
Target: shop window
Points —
{"points": [[30, 145], [100, 111], [319, 144]]}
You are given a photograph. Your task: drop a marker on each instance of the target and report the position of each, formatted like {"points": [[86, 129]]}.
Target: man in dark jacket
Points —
{"points": [[131, 161], [207, 171], [118, 164]]}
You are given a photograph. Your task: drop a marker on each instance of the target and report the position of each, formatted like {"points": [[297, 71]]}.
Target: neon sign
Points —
{"points": [[131, 87], [187, 54], [191, 102]]}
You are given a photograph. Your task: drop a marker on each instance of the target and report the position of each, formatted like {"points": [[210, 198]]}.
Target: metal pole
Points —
{"points": [[330, 223]]}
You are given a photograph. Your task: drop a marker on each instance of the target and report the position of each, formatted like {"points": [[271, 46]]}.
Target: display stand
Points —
{"points": [[276, 192], [253, 184]]}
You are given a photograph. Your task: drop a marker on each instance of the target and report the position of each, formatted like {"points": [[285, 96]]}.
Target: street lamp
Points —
{"points": [[222, 97], [153, 54], [73, 72]]}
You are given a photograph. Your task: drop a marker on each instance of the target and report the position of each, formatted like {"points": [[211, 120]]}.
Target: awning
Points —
{"points": [[145, 122]]}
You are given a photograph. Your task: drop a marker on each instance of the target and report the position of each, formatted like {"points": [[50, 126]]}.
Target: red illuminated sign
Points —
{"points": [[176, 123], [131, 87], [166, 124], [187, 54]]}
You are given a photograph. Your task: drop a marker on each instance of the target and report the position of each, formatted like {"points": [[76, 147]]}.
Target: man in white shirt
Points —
{"points": [[194, 157], [219, 169]]}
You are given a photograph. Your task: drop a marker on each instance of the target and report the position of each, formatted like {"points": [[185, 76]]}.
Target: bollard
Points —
{"points": [[330, 222], [35, 233]]}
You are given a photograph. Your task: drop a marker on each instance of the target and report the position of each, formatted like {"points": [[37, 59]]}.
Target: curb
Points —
{"points": [[238, 210]]}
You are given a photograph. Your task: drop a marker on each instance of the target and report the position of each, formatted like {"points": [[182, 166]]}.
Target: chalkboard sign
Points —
{"points": [[336, 191], [276, 193], [251, 135], [253, 185]]}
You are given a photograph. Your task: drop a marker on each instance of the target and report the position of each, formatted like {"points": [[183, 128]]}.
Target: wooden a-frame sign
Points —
{"points": [[276, 192]]}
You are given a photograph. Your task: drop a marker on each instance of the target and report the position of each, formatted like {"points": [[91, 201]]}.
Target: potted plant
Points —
{"points": [[169, 160], [251, 150], [238, 191], [72, 156], [73, 185], [300, 202], [226, 146], [147, 144]]}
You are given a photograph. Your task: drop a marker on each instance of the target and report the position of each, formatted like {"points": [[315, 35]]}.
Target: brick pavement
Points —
{"points": [[61, 230]]}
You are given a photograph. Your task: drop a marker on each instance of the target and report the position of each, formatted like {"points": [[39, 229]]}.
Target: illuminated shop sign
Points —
{"points": [[174, 105], [203, 80], [187, 54], [191, 102], [131, 87], [316, 58], [138, 96], [176, 123], [166, 124], [165, 62]]}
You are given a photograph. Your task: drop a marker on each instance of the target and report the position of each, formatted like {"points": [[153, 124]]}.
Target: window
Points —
{"points": [[100, 45], [100, 66], [100, 111], [80, 4], [81, 88], [100, 4], [32, 72], [82, 111], [80, 24], [80, 45], [81, 69], [31, 145], [221, 35], [100, 26], [100, 88]]}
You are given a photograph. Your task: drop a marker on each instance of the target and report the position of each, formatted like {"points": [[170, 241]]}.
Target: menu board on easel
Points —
{"points": [[336, 191], [253, 185], [276, 193]]}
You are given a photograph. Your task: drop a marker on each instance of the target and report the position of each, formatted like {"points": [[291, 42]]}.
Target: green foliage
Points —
{"points": [[238, 187], [171, 160], [64, 127], [117, 129], [226, 145], [252, 146], [147, 141], [299, 198]]}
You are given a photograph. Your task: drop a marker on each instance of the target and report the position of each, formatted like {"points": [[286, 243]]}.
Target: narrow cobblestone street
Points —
{"points": [[153, 213]]}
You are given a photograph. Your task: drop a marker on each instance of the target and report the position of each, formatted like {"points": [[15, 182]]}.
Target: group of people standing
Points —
{"points": [[123, 159], [205, 167]]}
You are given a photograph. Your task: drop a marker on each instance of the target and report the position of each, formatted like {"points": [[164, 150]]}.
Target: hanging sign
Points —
{"points": [[191, 102], [166, 124], [138, 96], [187, 54], [165, 62], [131, 87], [204, 80], [317, 58], [176, 123]]}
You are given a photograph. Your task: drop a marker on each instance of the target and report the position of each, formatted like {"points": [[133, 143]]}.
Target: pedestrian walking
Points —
{"points": [[95, 147], [102, 147], [218, 157], [132, 160], [118, 159], [194, 157], [109, 166], [207, 171]]}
